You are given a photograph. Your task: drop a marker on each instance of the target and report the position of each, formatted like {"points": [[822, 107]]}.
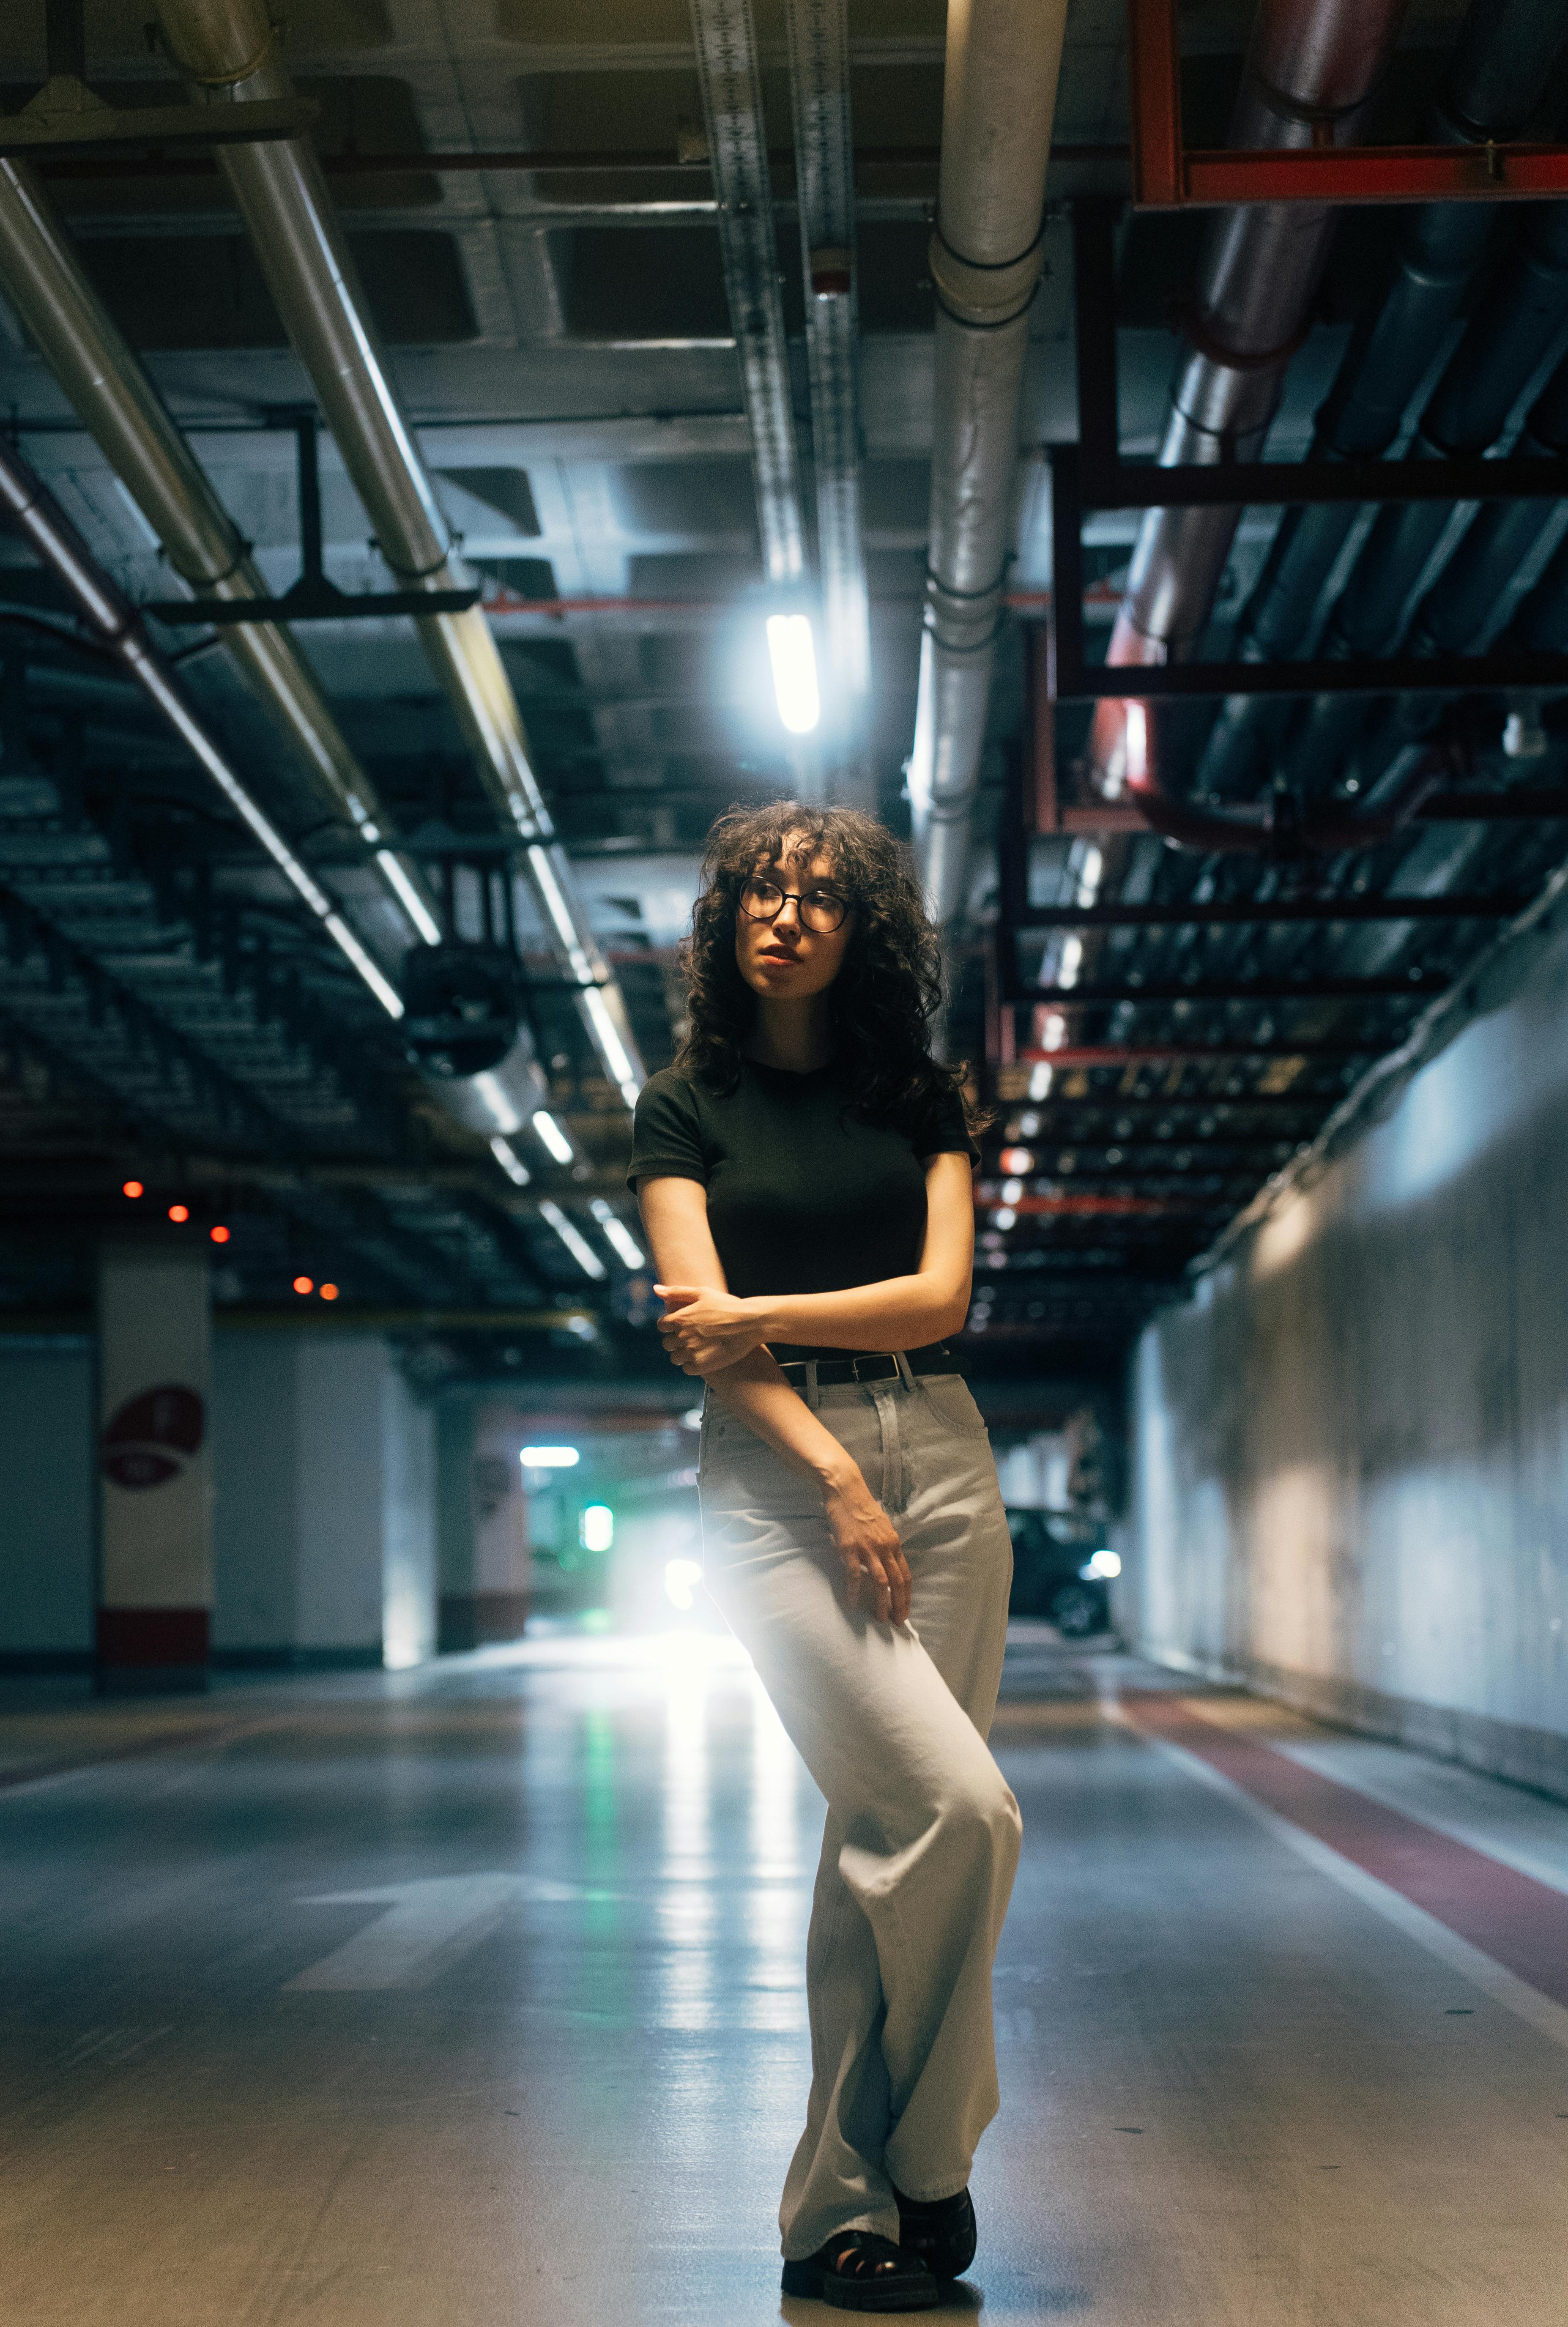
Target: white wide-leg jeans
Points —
{"points": [[922, 1834]]}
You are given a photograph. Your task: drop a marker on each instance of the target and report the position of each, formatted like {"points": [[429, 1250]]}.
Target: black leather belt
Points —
{"points": [[876, 1366]]}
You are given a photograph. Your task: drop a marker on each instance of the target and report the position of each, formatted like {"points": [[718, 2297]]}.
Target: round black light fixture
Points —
{"points": [[462, 1005]]}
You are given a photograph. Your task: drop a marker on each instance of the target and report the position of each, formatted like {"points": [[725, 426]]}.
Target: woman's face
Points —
{"points": [[785, 957]]}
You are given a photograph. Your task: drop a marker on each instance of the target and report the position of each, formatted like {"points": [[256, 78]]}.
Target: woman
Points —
{"points": [[803, 1172]]}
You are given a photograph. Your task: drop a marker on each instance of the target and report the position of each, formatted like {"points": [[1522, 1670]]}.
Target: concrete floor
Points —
{"points": [[472, 1996]]}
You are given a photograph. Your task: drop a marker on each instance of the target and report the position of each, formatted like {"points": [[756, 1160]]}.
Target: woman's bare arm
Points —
{"points": [[675, 1214], [704, 1327]]}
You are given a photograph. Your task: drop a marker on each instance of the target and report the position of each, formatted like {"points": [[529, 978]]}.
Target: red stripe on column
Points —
{"points": [[1519, 1922], [131, 1637]]}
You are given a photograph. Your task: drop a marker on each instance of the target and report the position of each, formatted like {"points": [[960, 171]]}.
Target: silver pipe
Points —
{"points": [[117, 404], [999, 99], [824, 183], [1311, 63], [119, 626], [495, 1104], [227, 49]]}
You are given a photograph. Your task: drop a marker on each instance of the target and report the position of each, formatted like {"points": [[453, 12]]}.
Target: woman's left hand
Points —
{"points": [[704, 1330]]}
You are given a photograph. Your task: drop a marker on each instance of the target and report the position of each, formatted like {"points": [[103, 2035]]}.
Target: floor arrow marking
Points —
{"points": [[427, 1927]]}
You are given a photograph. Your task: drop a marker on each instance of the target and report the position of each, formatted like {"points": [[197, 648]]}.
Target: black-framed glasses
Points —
{"points": [[822, 910]]}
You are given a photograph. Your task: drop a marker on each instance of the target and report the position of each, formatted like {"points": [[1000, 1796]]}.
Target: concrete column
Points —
{"points": [[155, 1492], [484, 1537], [326, 1503], [48, 1503]]}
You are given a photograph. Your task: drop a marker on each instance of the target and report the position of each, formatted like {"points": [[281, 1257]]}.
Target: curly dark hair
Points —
{"points": [[885, 995]]}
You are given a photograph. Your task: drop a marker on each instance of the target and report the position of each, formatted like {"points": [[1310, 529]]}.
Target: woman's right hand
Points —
{"points": [[867, 1542]]}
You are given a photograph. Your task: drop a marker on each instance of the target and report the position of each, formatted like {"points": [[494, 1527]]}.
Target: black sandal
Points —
{"points": [[942, 2232], [858, 2271]]}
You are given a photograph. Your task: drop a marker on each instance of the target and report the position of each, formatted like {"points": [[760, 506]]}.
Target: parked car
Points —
{"points": [[1060, 1574]]}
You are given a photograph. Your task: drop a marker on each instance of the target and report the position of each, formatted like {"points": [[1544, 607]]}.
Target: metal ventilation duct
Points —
{"points": [[825, 195], [1311, 65], [227, 49], [999, 97], [119, 407]]}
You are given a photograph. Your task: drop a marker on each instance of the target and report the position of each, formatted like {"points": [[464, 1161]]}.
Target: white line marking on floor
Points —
{"points": [[1504, 1987]]}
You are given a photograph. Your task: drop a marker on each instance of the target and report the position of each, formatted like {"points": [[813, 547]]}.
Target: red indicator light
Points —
{"points": [[329, 1293], [219, 1236], [303, 1285], [179, 1212], [133, 1188]]}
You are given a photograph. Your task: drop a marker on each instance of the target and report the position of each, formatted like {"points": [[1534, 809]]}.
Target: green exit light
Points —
{"points": [[596, 1528]]}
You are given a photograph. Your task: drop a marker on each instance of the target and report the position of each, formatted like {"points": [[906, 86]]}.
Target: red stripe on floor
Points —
{"points": [[1519, 1922]]}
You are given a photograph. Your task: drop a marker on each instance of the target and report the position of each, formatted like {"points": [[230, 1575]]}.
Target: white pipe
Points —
{"points": [[61, 550], [119, 406], [999, 99]]}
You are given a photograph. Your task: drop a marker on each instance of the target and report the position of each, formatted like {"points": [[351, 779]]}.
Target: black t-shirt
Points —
{"points": [[804, 1196]]}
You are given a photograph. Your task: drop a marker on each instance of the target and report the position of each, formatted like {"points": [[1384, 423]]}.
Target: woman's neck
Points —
{"points": [[798, 1035]]}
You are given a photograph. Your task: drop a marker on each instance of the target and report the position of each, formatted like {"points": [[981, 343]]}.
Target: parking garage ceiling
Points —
{"points": [[530, 195]]}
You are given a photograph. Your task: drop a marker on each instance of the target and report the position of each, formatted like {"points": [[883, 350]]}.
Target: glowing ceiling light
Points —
{"points": [[329, 1293], [551, 1137], [343, 937], [611, 1050], [395, 876], [576, 1244], [549, 1458], [491, 1096], [180, 1212], [679, 1577], [617, 1234], [1010, 1191], [165, 693], [218, 1235], [517, 1171], [596, 1528], [793, 655], [1040, 1082], [1072, 955], [1005, 1218], [133, 1188], [304, 1285]]}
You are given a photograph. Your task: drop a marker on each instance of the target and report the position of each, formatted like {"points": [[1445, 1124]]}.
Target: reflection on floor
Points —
{"points": [[472, 1996]]}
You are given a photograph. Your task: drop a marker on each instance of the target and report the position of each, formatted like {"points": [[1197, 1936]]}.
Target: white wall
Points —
{"points": [[324, 1465], [1350, 1481], [47, 1500]]}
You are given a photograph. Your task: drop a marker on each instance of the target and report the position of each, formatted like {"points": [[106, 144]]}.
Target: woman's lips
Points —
{"points": [[777, 953]]}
